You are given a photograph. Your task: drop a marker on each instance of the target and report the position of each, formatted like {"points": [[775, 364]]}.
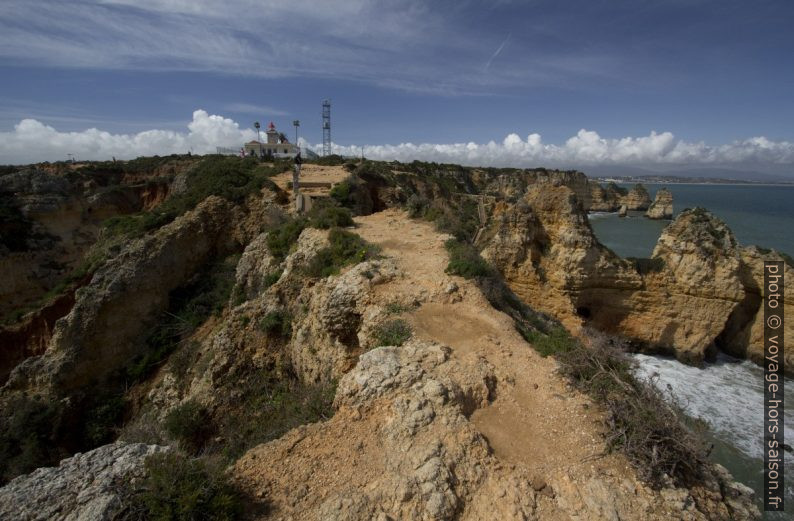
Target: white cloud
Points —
{"points": [[586, 148], [32, 141]]}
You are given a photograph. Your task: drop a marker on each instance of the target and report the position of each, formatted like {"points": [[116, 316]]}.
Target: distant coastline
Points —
{"points": [[673, 180]]}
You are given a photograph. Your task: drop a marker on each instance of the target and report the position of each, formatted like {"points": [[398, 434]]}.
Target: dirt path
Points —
{"points": [[536, 420], [312, 175]]}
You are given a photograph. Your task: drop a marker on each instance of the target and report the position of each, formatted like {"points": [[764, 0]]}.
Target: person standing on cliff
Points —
{"points": [[295, 177]]}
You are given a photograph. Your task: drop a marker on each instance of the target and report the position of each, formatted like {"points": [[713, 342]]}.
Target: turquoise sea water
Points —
{"points": [[757, 214]]}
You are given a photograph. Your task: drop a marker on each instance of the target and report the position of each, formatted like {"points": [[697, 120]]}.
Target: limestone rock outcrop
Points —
{"points": [[85, 487], [623, 211], [326, 333], [744, 336], [692, 285], [605, 199], [662, 205], [637, 198], [697, 294], [547, 252]]}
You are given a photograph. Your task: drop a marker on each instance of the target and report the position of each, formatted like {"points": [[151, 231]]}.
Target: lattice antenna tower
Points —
{"points": [[326, 127]]}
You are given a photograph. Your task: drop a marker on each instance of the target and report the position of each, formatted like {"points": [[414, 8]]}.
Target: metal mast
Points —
{"points": [[326, 127]]}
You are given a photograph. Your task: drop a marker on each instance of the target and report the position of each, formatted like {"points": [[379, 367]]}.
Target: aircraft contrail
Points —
{"points": [[496, 53]]}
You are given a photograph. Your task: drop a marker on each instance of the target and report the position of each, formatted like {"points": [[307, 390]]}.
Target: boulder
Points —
{"points": [[85, 487]]}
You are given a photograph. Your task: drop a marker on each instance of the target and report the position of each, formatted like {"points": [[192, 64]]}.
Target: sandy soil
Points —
{"points": [[313, 174]]}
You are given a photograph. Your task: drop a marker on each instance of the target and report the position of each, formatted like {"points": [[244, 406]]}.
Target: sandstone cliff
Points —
{"points": [[698, 293], [606, 199], [637, 198], [662, 205]]}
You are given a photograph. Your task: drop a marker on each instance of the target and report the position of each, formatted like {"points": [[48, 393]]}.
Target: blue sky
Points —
{"points": [[713, 74]]}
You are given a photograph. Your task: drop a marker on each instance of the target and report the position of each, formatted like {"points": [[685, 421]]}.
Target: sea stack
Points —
{"points": [[623, 211], [662, 206], [637, 198]]}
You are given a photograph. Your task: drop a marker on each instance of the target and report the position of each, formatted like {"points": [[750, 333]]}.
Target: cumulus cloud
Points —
{"points": [[33, 141], [587, 147]]}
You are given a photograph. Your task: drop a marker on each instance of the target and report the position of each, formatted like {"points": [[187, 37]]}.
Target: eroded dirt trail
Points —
{"points": [[535, 420]]}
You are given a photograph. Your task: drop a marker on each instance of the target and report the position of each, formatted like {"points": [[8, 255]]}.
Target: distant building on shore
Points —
{"points": [[276, 145]]}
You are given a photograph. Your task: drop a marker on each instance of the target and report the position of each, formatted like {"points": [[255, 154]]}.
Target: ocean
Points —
{"points": [[727, 394], [757, 214]]}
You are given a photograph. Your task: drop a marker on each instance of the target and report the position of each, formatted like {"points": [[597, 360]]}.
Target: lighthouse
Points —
{"points": [[276, 145], [272, 134]]}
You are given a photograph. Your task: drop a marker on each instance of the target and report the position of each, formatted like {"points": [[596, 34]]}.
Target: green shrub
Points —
{"points": [[102, 418], [555, 342], [178, 488], [459, 219], [340, 192], [396, 308], [270, 405], [353, 193], [326, 216], [281, 239], [345, 248], [272, 277], [189, 423], [417, 206], [277, 323], [329, 160], [180, 361], [29, 430], [465, 260], [392, 333]]}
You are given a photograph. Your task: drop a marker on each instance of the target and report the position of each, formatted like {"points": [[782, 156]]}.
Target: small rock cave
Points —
{"points": [[584, 312]]}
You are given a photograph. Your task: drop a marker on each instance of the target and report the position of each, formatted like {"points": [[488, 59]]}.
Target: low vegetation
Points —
{"points": [[282, 238], [644, 423], [229, 177], [328, 216], [189, 424], [345, 248], [552, 341], [269, 405], [181, 488], [27, 436], [394, 332], [277, 323], [465, 260]]}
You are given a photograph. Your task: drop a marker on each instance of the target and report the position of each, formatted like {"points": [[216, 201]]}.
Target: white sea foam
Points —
{"points": [[728, 394]]}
